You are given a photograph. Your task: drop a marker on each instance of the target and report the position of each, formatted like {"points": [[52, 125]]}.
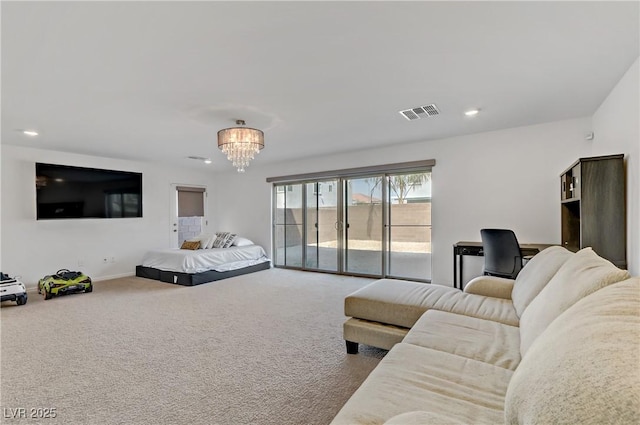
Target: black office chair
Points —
{"points": [[502, 256]]}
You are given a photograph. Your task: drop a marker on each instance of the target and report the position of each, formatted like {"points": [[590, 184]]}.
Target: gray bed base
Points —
{"points": [[192, 279]]}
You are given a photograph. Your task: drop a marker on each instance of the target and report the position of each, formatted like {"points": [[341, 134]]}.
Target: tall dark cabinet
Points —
{"points": [[593, 207]]}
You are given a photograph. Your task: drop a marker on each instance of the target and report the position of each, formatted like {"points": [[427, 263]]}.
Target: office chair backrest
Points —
{"points": [[502, 255]]}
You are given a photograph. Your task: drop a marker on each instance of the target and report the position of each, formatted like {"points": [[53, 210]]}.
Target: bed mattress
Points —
{"points": [[201, 260]]}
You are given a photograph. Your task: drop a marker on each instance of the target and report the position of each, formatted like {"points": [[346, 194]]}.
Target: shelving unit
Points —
{"points": [[593, 207]]}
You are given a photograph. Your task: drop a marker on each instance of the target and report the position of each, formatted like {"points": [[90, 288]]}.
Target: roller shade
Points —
{"points": [[190, 201]]}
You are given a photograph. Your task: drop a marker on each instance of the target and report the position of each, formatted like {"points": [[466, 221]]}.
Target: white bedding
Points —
{"points": [[202, 260]]}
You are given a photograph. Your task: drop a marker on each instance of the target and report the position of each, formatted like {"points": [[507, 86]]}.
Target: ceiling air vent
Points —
{"points": [[409, 114], [420, 112]]}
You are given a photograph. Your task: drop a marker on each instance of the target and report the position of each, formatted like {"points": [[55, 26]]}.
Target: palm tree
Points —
{"points": [[401, 184]]}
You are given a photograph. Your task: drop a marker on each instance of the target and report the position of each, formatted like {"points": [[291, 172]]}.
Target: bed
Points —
{"points": [[194, 267]]}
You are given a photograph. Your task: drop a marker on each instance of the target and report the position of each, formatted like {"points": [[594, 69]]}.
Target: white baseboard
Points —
{"points": [[113, 276]]}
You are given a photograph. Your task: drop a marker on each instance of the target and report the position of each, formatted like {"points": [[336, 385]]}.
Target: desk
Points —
{"points": [[462, 248]]}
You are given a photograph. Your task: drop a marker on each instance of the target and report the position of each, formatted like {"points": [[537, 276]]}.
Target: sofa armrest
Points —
{"points": [[490, 286]]}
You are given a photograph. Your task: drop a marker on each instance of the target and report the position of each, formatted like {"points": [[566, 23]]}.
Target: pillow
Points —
{"points": [[582, 274], [240, 241], [221, 239], [190, 245], [210, 241], [229, 241], [205, 240], [536, 274]]}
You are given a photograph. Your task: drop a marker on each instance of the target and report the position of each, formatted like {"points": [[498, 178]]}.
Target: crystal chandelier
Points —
{"points": [[240, 144]]}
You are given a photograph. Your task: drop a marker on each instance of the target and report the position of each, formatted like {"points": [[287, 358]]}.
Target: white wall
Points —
{"points": [[616, 126], [33, 248], [508, 178]]}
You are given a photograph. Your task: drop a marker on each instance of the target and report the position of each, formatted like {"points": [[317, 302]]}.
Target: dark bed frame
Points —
{"points": [[192, 279]]}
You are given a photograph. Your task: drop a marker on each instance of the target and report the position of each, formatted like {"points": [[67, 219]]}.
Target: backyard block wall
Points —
{"points": [[364, 223]]}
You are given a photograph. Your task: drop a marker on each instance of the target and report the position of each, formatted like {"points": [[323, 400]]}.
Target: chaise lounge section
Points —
{"points": [[560, 344], [382, 313]]}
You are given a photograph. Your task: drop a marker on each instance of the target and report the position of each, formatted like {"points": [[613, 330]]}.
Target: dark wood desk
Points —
{"points": [[462, 248]]}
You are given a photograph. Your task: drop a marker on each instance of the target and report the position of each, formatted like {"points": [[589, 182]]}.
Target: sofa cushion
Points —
{"points": [[478, 339], [415, 378], [584, 273], [420, 417], [536, 274], [401, 303], [584, 367]]}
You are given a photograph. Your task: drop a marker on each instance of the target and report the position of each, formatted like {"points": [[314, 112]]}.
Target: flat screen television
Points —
{"points": [[64, 192]]}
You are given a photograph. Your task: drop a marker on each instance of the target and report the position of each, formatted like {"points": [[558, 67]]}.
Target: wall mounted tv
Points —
{"points": [[64, 192]]}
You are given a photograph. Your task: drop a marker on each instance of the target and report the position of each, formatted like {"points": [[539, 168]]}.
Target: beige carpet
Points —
{"points": [[264, 348]]}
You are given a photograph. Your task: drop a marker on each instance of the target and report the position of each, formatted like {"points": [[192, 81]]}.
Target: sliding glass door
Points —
{"points": [[321, 247], [409, 225], [288, 225], [375, 225], [363, 226]]}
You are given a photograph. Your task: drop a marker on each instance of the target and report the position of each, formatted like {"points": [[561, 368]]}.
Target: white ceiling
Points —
{"points": [[156, 80]]}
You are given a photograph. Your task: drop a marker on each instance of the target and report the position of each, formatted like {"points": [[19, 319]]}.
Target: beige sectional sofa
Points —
{"points": [[560, 344]]}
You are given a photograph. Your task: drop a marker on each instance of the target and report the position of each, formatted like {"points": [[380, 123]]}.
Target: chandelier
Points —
{"points": [[240, 144]]}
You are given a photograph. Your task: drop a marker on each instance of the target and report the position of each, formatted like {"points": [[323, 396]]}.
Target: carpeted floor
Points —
{"points": [[264, 348]]}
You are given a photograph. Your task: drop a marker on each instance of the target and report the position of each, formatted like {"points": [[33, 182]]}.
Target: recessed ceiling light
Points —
{"points": [[207, 161], [30, 132], [472, 112]]}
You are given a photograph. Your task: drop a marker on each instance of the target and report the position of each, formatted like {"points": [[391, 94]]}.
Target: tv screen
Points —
{"points": [[63, 191]]}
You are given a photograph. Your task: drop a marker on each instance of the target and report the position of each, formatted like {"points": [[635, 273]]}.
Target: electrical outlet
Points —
{"points": [[105, 260], [80, 263], [113, 259]]}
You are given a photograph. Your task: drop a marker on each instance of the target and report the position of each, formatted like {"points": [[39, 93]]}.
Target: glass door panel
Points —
{"points": [[288, 230], [363, 225], [311, 247], [321, 225], [409, 228]]}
